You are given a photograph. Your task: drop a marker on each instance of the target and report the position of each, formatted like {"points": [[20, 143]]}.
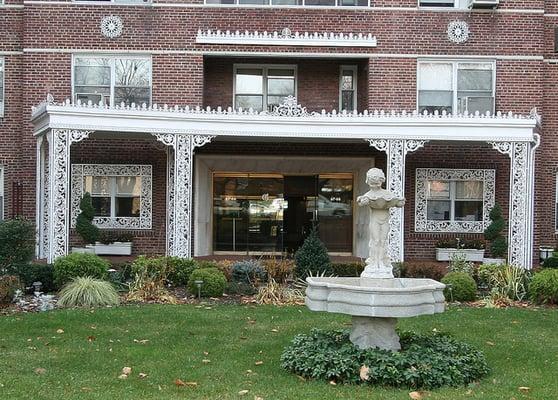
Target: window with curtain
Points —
{"points": [[453, 200], [455, 87], [348, 88], [263, 87], [112, 80]]}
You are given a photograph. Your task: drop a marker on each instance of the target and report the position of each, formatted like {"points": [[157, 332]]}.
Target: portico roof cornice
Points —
{"points": [[289, 120]]}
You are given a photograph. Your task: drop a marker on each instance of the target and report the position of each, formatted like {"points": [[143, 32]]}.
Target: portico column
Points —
{"points": [[521, 205], [396, 151], [58, 198], [180, 157]]}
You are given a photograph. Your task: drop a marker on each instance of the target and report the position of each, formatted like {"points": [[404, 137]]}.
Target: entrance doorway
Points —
{"points": [[273, 213]]}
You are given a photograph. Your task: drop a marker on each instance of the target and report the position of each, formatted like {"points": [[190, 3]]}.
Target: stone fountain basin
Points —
{"points": [[369, 297]]}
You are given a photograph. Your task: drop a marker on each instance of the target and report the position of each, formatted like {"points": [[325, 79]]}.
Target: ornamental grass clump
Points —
{"points": [[509, 282], [88, 292], [149, 280], [425, 361]]}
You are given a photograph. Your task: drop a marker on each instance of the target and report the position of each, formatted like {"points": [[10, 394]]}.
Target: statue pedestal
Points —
{"points": [[373, 271], [368, 332]]}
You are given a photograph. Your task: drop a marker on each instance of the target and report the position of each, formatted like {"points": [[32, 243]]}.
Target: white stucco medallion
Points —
{"points": [[111, 26], [458, 31]]}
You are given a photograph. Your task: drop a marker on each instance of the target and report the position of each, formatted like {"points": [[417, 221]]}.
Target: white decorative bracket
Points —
{"points": [[287, 38], [180, 157], [396, 151]]}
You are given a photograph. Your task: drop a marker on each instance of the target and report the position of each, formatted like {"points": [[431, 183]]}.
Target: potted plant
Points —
{"points": [[493, 234], [84, 225], [472, 250], [114, 243]]}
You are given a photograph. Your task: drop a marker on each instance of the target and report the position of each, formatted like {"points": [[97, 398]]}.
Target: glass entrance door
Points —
{"points": [[273, 213]]}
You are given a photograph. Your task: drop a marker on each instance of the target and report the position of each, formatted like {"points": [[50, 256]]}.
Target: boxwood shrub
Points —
{"points": [[460, 287], [544, 287], [77, 265], [550, 262], [34, 272], [425, 361], [214, 282]]}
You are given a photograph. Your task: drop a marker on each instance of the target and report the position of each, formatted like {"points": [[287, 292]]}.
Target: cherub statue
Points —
{"points": [[378, 263]]}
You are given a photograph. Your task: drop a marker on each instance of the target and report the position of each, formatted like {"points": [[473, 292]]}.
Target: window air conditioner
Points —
{"points": [[483, 3], [472, 104]]}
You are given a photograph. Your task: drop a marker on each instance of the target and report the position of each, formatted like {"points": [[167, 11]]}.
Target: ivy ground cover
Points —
{"points": [[233, 352]]}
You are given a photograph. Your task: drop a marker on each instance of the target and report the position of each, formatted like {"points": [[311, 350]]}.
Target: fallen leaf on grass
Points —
{"points": [[258, 362], [40, 371], [258, 398], [179, 382], [60, 331], [91, 338], [141, 375], [364, 370], [122, 376], [275, 330], [126, 370], [206, 361], [524, 389], [142, 341], [490, 343], [243, 392], [417, 395], [333, 383]]}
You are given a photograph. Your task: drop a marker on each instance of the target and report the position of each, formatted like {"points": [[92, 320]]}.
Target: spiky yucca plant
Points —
{"points": [[89, 292]]}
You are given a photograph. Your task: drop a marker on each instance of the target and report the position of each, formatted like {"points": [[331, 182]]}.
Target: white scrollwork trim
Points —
{"points": [[289, 108], [423, 175], [144, 221]]}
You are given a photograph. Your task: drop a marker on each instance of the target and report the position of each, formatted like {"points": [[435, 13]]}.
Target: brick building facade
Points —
{"points": [[252, 181]]}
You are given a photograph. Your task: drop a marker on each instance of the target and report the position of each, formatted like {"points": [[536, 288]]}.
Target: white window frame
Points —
{"points": [[113, 58], [2, 193], [336, 6], [423, 175], [80, 171], [455, 67], [354, 69], [3, 86], [119, 2], [265, 68]]}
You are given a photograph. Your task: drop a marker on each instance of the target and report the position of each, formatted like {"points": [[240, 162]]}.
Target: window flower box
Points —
{"points": [[113, 249], [446, 254], [87, 249]]}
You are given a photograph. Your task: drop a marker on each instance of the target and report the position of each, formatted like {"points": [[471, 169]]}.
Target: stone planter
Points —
{"points": [[499, 261], [446, 254], [113, 249], [84, 250]]}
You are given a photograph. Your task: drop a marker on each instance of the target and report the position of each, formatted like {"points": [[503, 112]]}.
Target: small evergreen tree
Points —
{"points": [[493, 233], [312, 257], [84, 225]]}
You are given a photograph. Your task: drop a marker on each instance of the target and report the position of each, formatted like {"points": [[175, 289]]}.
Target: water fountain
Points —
{"points": [[376, 299]]}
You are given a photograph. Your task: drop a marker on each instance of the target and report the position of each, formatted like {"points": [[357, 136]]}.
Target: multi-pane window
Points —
{"points": [[1, 87], [330, 3], [348, 87], [455, 200], [120, 1], [114, 196], [462, 4], [263, 87], [456, 87], [112, 80]]}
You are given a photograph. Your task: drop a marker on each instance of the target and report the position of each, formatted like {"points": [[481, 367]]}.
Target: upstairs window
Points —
{"points": [[348, 88], [263, 87], [456, 87], [322, 3], [117, 1], [1, 87], [461, 4], [112, 80]]}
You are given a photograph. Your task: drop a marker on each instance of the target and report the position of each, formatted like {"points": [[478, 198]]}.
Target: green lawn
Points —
{"points": [[84, 361]]}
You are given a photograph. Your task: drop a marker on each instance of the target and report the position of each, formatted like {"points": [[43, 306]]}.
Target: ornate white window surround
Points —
{"points": [[287, 38], [423, 175], [80, 171]]}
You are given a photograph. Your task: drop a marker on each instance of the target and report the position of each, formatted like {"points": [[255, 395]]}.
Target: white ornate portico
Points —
{"points": [[58, 126]]}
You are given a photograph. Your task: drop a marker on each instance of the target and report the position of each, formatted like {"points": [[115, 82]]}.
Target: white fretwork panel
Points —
{"points": [[80, 171], [423, 175]]}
